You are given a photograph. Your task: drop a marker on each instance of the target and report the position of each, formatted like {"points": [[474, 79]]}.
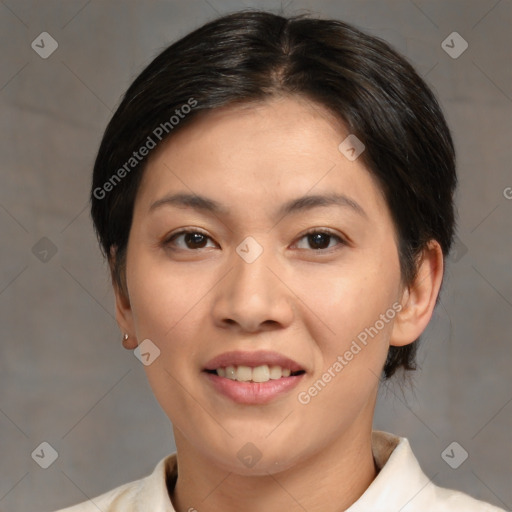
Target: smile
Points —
{"points": [[253, 378]]}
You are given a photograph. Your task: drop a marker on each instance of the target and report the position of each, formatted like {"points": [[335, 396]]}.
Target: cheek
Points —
{"points": [[168, 306], [161, 295], [351, 353], [352, 336], [340, 302], [165, 305]]}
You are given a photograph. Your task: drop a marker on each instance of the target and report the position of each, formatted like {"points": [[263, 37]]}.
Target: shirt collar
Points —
{"points": [[400, 479]]}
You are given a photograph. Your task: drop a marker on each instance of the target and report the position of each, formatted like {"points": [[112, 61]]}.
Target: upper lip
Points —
{"points": [[252, 359]]}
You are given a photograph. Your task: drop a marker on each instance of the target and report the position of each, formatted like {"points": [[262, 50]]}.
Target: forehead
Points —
{"points": [[255, 153]]}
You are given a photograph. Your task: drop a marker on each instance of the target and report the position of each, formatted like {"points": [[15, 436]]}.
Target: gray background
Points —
{"points": [[64, 377]]}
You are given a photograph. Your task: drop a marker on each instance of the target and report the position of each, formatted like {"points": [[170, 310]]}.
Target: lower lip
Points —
{"points": [[253, 393]]}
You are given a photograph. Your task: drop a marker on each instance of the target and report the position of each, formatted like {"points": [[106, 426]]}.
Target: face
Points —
{"points": [[262, 264]]}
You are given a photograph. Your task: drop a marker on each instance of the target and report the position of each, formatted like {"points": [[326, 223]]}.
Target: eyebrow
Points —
{"points": [[304, 203]]}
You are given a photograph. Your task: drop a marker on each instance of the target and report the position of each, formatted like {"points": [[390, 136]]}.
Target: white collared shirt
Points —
{"points": [[400, 486]]}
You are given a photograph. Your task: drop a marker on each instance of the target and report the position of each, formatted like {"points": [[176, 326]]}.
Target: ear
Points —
{"points": [[124, 314], [419, 298]]}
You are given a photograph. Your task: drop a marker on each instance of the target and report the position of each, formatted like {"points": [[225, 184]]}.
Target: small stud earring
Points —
{"points": [[125, 336]]}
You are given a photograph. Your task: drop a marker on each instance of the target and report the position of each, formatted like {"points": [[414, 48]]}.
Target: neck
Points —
{"points": [[305, 486]]}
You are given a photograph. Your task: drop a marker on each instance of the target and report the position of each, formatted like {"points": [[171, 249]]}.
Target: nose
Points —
{"points": [[253, 296]]}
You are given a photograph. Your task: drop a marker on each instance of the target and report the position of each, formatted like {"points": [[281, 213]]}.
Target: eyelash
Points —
{"points": [[341, 241]]}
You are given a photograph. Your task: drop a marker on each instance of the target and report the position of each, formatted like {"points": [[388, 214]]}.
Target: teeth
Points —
{"points": [[276, 372], [262, 373], [231, 372], [243, 373]]}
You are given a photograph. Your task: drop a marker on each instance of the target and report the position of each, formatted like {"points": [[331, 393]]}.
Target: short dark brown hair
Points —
{"points": [[251, 56]]}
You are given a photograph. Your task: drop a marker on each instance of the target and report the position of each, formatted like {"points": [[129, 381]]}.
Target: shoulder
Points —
{"points": [[450, 500], [150, 491], [402, 485], [111, 501]]}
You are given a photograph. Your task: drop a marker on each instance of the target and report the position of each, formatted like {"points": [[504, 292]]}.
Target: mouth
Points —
{"points": [[253, 378]]}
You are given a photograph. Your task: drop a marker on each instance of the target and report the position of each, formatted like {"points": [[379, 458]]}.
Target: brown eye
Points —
{"points": [[319, 240], [195, 240], [188, 240]]}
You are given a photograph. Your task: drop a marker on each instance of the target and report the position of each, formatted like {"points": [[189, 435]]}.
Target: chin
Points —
{"points": [[255, 459]]}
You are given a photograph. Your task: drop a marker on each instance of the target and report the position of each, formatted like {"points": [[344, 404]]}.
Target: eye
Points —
{"points": [[319, 240], [188, 239]]}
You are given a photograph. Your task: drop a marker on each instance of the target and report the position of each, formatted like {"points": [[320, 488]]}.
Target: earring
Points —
{"points": [[125, 340]]}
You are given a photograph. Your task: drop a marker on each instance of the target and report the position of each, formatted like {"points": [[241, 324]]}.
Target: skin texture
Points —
{"points": [[308, 304]]}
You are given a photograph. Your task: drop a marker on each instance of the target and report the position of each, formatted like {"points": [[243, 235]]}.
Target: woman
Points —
{"points": [[275, 200]]}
